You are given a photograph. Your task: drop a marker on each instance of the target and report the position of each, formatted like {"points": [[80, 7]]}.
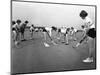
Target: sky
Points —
{"points": [[42, 14]]}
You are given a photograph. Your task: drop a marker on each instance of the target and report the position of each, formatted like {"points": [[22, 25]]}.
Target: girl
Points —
{"points": [[67, 34], [47, 31], [18, 24], [22, 29], [31, 31], [90, 34], [59, 33], [73, 33], [14, 31], [64, 32]]}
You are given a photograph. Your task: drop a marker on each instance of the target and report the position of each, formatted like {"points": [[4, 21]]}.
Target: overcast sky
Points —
{"points": [[50, 14]]}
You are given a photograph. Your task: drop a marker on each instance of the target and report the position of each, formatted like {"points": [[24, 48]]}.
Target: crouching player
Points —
{"points": [[22, 29], [90, 35], [65, 32], [47, 31], [73, 33]]}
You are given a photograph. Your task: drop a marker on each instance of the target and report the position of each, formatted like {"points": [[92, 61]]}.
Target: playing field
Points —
{"points": [[33, 56]]}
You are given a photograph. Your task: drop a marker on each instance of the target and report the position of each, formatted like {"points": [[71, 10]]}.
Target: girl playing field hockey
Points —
{"points": [[54, 29], [18, 24], [31, 31], [14, 32], [73, 33], [47, 31], [22, 29], [65, 32], [90, 34], [67, 35], [59, 33]]}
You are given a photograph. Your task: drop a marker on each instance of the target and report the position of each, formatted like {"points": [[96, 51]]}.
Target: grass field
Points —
{"points": [[32, 56]]}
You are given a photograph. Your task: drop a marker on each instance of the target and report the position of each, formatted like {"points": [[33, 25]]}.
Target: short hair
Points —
{"points": [[26, 21], [68, 29], [13, 22], [32, 25], [18, 21], [72, 27], [83, 26], [83, 13], [54, 28]]}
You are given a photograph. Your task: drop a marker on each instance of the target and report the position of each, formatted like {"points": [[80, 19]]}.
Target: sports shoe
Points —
{"points": [[88, 60], [77, 44], [46, 45], [16, 42]]}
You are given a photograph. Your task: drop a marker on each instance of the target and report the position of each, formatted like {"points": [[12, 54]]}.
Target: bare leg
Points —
{"points": [[91, 46], [45, 43], [22, 36], [31, 35], [17, 38], [63, 40], [59, 36], [74, 35], [45, 36], [14, 35], [67, 39], [91, 50]]}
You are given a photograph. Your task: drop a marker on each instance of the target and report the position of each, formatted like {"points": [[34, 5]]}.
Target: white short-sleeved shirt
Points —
{"points": [[63, 30], [48, 29], [14, 26], [31, 28], [88, 22], [75, 30]]}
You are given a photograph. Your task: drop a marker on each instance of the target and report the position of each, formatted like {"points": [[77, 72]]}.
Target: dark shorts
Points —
{"points": [[13, 29], [66, 32], [44, 30], [32, 30], [91, 33], [59, 30], [22, 31], [54, 28]]}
